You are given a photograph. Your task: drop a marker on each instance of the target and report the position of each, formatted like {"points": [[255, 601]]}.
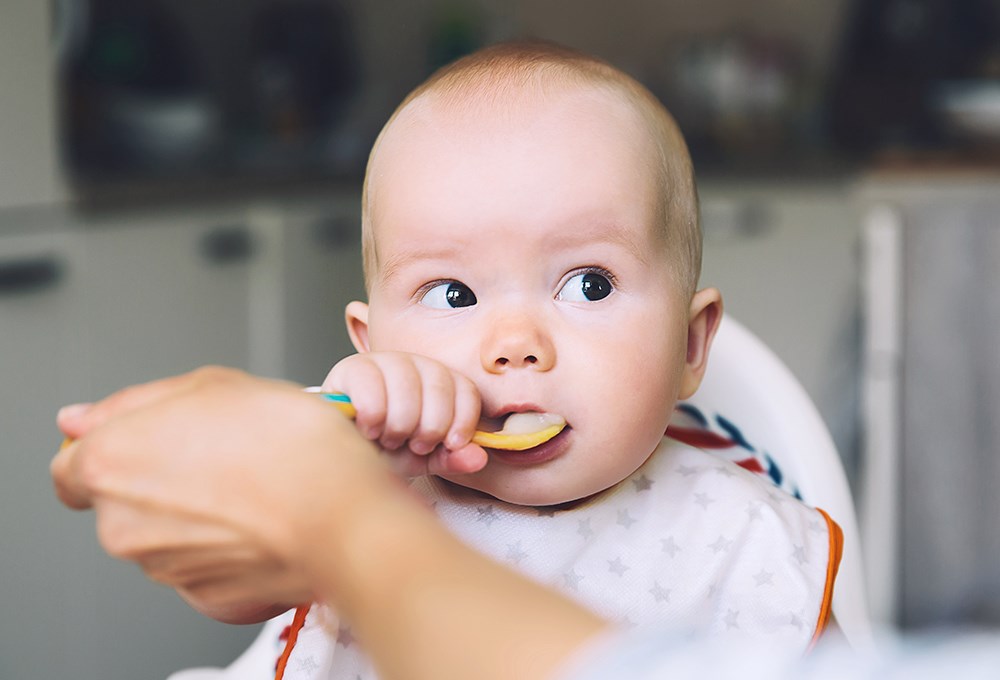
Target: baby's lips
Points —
{"points": [[522, 431]]}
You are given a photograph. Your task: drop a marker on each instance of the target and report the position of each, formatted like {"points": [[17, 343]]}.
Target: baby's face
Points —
{"points": [[522, 250]]}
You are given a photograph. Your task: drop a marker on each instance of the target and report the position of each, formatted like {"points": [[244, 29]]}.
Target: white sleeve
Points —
{"points": [[665, 655]]}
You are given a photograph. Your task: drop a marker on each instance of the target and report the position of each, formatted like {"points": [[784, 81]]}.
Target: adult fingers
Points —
{"points": [[78, 419], [69, 485]]}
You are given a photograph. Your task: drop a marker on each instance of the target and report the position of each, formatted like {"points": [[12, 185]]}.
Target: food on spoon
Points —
{"points": [[522, 431]]}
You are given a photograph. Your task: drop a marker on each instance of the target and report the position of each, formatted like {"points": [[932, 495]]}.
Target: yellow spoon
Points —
{"points": [[507, 439]]}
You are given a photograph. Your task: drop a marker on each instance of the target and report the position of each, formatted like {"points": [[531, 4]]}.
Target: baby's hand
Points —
{"points": [[418, 410]]}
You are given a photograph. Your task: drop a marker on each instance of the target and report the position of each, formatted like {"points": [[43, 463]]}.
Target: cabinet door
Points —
{"points": [[323, 273], [45, 548], [785, 258], [167, 295], [160, 295]]}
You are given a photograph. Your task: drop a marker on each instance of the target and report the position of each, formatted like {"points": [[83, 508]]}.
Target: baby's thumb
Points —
{"points": [[462, 461]]}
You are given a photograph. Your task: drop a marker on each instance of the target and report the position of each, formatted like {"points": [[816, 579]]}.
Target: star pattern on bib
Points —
{"points": [[625, 519], [763, 578], [572, 579], [721, 545], [616, 566], [487, 514], [670, 546], [686, 470], [703, 500], [642, 483], [659, 593], [515, 553], [306, 664]]}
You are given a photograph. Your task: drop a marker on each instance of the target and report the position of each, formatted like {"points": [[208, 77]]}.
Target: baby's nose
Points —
{"points": [[517, 343], [524, 361]]}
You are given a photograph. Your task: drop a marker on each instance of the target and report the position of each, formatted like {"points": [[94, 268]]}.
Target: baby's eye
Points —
{"points": [[448, 295], [588, 286]]}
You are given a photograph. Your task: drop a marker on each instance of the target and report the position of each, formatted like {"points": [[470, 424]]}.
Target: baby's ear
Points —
{"points": [[704, 317], [356, 315]]}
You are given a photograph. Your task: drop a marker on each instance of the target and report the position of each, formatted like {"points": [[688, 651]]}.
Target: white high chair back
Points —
{"points": [[768, 410]]}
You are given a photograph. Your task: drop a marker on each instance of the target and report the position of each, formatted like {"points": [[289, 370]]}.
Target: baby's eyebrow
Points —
{"points": [[611, 233], [579, 233], [404, 258]]}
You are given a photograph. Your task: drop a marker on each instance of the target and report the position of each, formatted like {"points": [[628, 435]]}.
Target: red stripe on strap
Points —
{"points": [[293, 635]]}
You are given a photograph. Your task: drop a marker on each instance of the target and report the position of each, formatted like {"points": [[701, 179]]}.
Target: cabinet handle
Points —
{"points": [[228, 245], [29, 275], [335, 232]]}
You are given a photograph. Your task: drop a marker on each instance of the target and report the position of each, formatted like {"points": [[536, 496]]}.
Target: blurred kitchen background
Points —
{"points": [[180, 184]]}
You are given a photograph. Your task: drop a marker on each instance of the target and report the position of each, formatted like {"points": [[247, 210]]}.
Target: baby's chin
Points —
{"points": [[535, 495]]}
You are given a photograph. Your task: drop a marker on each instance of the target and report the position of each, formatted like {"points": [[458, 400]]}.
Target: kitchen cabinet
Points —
{"points": [[322, 273], [91, 303], [784, 253], [47, 554], [932, 380], [165, 294]]}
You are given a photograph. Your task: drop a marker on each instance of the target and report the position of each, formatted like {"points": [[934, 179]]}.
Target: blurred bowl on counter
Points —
{"points": [[971, 109], [165, 131]]}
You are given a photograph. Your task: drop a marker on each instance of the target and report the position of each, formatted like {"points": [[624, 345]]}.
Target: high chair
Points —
{"points": [[765, 421], [751, 396]]}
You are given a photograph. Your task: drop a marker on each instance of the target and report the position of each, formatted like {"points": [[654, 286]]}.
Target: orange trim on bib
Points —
{"points": [[293, 635], [832, 565]]}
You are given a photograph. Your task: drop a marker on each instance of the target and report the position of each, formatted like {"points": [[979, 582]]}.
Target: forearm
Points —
{"points": [[425, 605]]}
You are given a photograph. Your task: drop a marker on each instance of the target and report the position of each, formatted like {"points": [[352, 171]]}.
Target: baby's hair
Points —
{"points": [[503, 73]]}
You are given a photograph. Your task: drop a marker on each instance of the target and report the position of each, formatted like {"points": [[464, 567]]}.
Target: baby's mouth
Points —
{"points": [[519, 431]]}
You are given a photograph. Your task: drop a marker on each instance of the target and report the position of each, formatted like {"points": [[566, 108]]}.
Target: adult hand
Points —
{"points": [[242, 492], [213, 482]]}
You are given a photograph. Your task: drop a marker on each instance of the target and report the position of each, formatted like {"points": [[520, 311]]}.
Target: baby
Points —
{"points": [[531, 245]]}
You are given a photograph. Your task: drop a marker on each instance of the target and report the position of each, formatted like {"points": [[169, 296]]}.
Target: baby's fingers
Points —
{"points": [[362, 380], [450, 412], [468, 405], [437, 412]]}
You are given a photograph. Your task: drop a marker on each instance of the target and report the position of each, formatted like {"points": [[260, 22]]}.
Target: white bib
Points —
{"points": [[688, 541]]}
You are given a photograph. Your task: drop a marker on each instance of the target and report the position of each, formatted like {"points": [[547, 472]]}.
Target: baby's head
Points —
{"points": [[530, 219], [499, 81]]}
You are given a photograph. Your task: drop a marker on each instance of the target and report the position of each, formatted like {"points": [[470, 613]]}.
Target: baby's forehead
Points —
{"points": [[487, 106], [435, 134], [441, 116]]}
